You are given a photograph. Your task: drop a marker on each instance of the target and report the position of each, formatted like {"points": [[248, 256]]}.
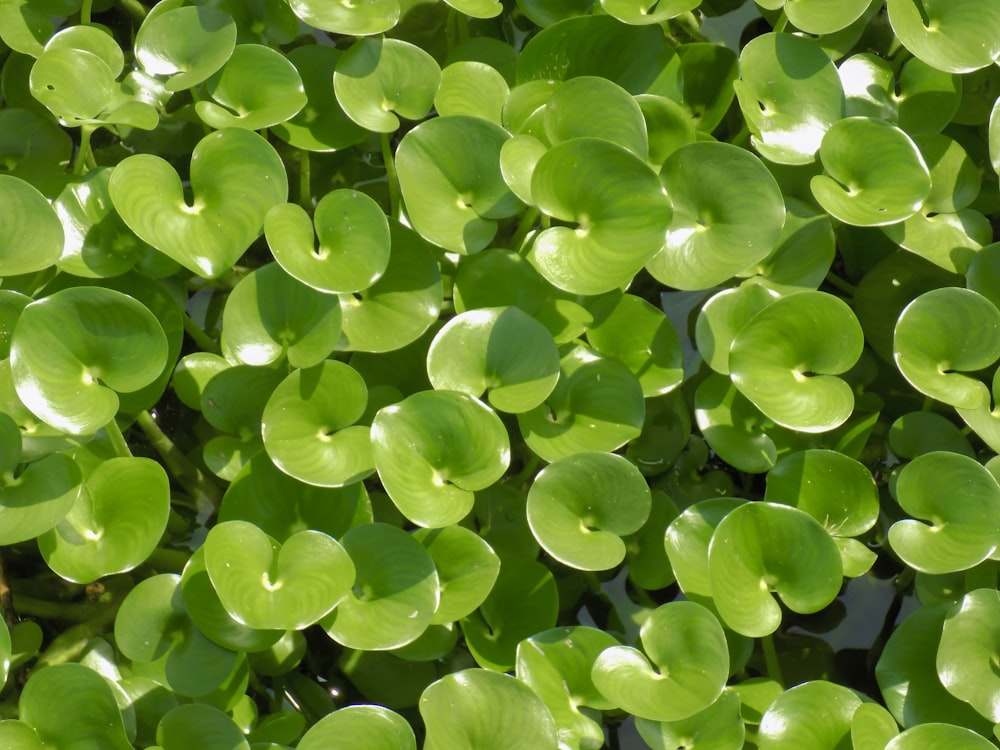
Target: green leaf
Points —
{"points": [[186, 44], [955, 38], [434, 449], [594, 107], [73, 352], [473, 88], [723, 316], [581, 505], [968, 651], [357, 20], [718, 727], [32, 237], [467, 569], [199, 725], [950, 536], [39, 498], [359, 728], [815, 714], [687, 541], [236, 177], [822, 16], [935, 736]]}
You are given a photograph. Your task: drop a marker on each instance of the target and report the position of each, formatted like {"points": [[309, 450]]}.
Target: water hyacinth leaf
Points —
{"points": [[726, 220], [396, 590], [617, 204], [321, 125], [331, 510], [503, 523], [870, 188], [709, 73], [718, 727], [270, 315], [762, 549], [114, 525], [434, 449], [833, 488], [256, 88], [236, 177], [518, 157], [69, 704], [270, 586], [398, 308], [934, 344], [39, 498], [950, 536], [677, 684], [473, 88], [928, 98], [212, 618], [786, 359], [199, 725], [309, 429], [580, 507], [451, 182], [347, 18], [378, 80], [186, 44], [824, 17], [869, 87], [790, 94], [597, 405], [477, 8], [499, 350], [955, 178], [668, 126], [31, 231], [10, 445], [811, 715], [921, 432], [73, 352], [648, 565], [938, 736], [949, 240], [637, 58], [467, 569], [32, 146], [523, 601], [24, 27], [954, 38], [872, 727], [472, 709], [804, 254], [233, 399], [723, 316], [496, 278], [153, 629], [968, 650], [641, 12], [363, 727], [524, 110], [593, 107]]}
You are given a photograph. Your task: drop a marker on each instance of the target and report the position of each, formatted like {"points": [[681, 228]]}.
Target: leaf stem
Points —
{"points": [[202, 339], [305, 181], [189, 476], [83, 153], [527, 223], [771, 659], [391, 176], [166, 560], [85, 11], [117, 439], [842, 284]]}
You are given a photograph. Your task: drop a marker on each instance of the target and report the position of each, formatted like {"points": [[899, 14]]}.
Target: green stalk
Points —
{"points": [[842, 285], [305, 181], [189, 476], [114, 433], [527, 223], [83, 154], [391, 176], [771, 659], [202, 339], [85, 12]]}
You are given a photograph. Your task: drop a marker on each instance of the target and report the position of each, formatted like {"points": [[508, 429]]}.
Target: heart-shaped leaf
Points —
{"points": [[499, 350], [723, 316], [955, 38], [186, 44], [951, 536], [581, 505], [760, 548], [32, 236], [266, 585], [359, 728], [73, 352], [434, 449], [469, 87], [236, 177], [354, 241], [467, 569], [678, 684]]}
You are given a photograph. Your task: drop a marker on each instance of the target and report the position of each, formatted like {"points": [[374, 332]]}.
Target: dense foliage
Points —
{"points": [[470, 374]]}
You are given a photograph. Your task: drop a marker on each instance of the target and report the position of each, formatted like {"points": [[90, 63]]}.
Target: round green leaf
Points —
{"points": [[114, 525], [928, 98], [872, 726], [359, 727], [518, 157], [955, 37], [451, 182], [236, 177], [434, 449], [955, 179], [641, 336], [199, 725], [473, 709], [822, 16], [804, 253], [618, 207], [373, 17], [726, 219], [723, 316], [472, 88], [354, 241], [501, 350], [270, 586], [943, 333], [760, 548], [718, 727], [40, 496], [73, 352], [467, 569], [270, 315], [377, 79], [395, 594], [785, 360], [581, 505], [950, 536], [790, 95], [814, 714], [398, 308], [186, 44], [69, 706], [32, 236], [933, 736], [874, 173], [949, 240], [597, 405], [690, 665], [970, 646], [497, 277], [309, 430], [256, 88], [921, 432], [640, 12], [594, 107]]}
